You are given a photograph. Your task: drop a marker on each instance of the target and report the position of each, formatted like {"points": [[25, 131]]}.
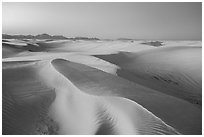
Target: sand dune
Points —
{"points": [[183, 43], [25, 100], [93, 47], [9, 52], [73, 107], [82, 47], [74, 57], [168, 108], [58, 87], [172, 70]]}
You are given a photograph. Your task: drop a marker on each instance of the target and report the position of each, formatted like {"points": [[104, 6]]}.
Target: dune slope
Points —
{"points": [[25, 100], [58, 87], [172, 70], [170, 109], [122, 115], [30, 106]]}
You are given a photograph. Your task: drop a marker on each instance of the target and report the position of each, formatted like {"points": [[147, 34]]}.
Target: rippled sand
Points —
{"points": [[101, 87]]}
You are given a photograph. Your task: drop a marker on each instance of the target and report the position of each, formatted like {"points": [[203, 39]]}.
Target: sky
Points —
{"points": [[167, 21]]}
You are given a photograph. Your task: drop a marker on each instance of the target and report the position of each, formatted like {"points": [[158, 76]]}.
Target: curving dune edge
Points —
{"points": [[88, 114], [101, 87]]}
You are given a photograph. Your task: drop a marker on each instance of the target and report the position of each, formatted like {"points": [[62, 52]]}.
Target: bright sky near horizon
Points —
{"points": [[170, 21]]}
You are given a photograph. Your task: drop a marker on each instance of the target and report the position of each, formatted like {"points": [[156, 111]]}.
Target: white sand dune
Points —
{"points": [[183, 43], [25, 73], [16, 44], [73, 111], [44, 93], [19, 43], [96, 82], [80, 113], [74, 57], [95, 47], [172, 70]]}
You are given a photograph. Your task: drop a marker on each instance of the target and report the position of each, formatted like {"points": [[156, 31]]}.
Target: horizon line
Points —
{"points": [[105, 38]]}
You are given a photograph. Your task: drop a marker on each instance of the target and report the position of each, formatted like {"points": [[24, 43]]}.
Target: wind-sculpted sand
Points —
{"points": [[76, 112], [58, 88], [172, 70]]}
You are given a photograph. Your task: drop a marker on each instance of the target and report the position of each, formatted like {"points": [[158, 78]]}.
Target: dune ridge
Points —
{"points": [[61, 87], [83, 75], [83, 110], [171, 70], [74, 57], [89, 80]]}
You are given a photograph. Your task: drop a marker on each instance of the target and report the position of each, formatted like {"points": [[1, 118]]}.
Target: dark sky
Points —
{"points": [[170, 21]]}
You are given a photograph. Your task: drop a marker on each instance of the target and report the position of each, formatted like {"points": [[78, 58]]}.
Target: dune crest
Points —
{"points": [[81, 113]]}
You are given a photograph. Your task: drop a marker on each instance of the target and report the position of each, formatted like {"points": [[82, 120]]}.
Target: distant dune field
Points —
{"points": [[101, 87]]}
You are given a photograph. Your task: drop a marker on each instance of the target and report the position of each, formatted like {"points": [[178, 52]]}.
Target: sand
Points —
{"points": [[62, 87], [72, 108], [172, 70], [25, 100], [162, 105]]}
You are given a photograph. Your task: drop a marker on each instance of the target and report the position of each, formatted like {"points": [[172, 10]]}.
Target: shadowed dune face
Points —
{"points": [[8, 51], [25, 100], [31, 46], [153, 43], [95, 82], [172, 70]]}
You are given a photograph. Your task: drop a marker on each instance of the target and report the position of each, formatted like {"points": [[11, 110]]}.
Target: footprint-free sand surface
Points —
{"points": [[101, 87]]}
